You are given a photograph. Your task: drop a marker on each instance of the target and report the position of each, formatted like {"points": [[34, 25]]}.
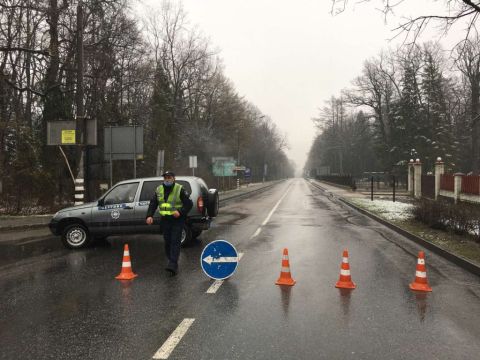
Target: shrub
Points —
{"points": [[462, 218]]}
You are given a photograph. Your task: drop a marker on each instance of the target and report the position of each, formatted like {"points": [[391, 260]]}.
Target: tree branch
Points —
{"points": [[33, 51], [23, 89], [471, 4]]}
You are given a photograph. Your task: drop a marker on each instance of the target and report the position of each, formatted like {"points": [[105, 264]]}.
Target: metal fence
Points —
{"points": [[447, 182], [381, 182], [345, 180], [471, 185]]}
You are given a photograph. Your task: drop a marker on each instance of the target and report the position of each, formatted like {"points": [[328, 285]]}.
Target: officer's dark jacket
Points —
{"points": [[184, 197]]}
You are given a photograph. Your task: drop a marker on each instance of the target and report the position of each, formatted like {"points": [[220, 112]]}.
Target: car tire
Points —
{"points": [[75, 236], [213, 203], [187, 237]]}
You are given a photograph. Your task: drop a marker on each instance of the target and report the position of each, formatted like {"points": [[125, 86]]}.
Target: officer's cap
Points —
{"points": [[168, 173]]}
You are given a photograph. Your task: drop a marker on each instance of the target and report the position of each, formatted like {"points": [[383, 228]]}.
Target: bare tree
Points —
{"points": [[412, 27], [468, 63]]}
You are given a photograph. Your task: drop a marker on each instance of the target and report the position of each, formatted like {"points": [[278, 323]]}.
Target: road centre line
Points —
{"points": [[267, 219], [173, 340], [256, 232], [217, 283]]}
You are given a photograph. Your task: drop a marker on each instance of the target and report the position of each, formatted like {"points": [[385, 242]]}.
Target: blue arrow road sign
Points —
{"points": [[219, 260]]}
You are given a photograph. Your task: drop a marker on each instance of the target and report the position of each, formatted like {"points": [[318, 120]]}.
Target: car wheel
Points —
{"points": [[213, 203], [75, 236], [186, 235]]}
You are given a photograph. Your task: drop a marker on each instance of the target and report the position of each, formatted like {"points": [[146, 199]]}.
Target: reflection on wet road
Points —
{"points": [[67, 304]]}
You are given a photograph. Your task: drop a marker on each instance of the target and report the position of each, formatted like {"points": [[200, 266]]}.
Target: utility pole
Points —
{"points": [[80, 186]]}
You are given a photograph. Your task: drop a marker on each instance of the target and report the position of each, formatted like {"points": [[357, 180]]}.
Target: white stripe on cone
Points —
{"points": [[421, 262], [345, 260], [285, 269], [126, 264], [421, 274], [344, 272]]}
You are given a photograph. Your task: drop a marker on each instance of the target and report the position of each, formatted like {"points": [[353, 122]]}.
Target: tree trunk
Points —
{"points": [[475, 112]]}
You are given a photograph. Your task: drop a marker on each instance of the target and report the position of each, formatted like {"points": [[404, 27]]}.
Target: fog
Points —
{"points": [[288, 57]]}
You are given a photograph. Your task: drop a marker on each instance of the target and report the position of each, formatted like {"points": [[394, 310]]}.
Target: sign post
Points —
{"points": [[193, 163], [160, 162], [248, 175], [219, 260]]}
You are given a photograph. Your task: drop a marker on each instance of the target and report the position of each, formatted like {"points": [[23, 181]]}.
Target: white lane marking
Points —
{"points": [[267, 219], [173, 340], [217, 283], [256, 232], [275, 207], [214, 287]]}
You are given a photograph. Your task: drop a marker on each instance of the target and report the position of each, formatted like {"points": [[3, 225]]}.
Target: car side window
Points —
{"points": [[124, 193], [203, 187], [148, 189], [186, 186]]}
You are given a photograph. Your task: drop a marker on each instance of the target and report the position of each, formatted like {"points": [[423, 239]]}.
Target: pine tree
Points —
{"points": [[440, 138]]}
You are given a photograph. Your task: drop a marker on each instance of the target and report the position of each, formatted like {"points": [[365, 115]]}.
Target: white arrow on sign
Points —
{"points": [[209, 259]]}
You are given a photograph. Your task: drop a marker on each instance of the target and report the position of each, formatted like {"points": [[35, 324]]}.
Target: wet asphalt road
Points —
{"points": [[67, 304]]}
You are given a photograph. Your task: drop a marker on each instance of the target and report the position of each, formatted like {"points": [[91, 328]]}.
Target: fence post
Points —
{"points": [[410, 176], [439, 171], [457, 187], [371, 188], [417, 166], [393, 188]]}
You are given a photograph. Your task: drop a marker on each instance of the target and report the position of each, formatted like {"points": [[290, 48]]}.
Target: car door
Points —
{"points": [[116, 215], [141, 207]]}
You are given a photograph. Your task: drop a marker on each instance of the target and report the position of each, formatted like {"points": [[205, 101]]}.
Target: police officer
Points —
{"points": [[174, 204]]}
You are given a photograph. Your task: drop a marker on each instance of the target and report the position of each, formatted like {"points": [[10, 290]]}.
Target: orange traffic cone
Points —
{"points": [[345, 281], [285, 276], [126, 273], [420, 283]]}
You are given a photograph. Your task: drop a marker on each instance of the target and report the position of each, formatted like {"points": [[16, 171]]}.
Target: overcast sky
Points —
{"points": [[288, 57]]}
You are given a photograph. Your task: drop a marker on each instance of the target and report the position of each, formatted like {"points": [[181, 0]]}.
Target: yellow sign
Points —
{"points": [[68, 136]]}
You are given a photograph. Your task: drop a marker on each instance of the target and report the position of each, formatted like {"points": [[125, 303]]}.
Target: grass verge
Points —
{"points": [[461, 245]]}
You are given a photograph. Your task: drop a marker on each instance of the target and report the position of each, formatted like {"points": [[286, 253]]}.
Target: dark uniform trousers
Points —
{"points": [[172, 234]]}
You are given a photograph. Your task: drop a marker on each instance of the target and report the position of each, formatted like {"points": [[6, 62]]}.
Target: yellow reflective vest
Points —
{"points": [[173, 203]]}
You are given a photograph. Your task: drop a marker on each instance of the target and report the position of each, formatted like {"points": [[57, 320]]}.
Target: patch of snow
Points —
{"points": [[386, 209]]}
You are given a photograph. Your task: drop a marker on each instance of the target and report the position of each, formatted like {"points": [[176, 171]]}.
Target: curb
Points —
{"points": [[26, 241], [457, 260], [18, 227], [248, 193], [344, 187]]}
